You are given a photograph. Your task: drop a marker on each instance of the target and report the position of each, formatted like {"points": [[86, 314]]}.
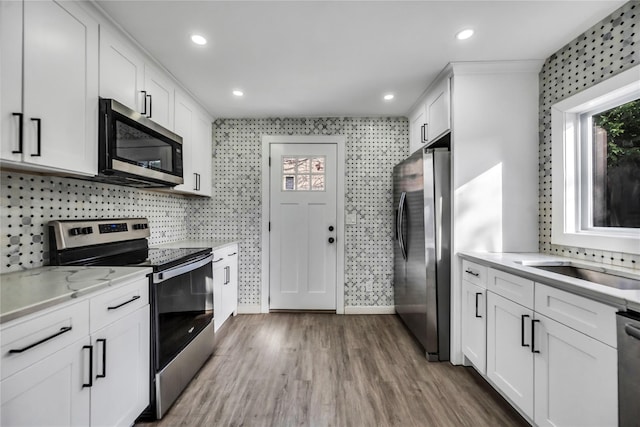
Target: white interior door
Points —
{"points": [[303, 227]]}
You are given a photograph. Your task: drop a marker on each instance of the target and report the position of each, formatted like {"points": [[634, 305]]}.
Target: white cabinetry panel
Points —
{"points": [[474, 326], [59, 87], [121, 71], [49, 392], [509, 355], [438, 110], [121, 364], [160, 97], [576, 378], [583, 314]]}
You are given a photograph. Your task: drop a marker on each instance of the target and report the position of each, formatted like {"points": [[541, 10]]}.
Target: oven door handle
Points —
{"points": [[181, 269]]}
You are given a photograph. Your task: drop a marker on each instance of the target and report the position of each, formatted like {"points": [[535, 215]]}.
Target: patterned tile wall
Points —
{"points": [[373, 147], [29, 202], [607, 48]]}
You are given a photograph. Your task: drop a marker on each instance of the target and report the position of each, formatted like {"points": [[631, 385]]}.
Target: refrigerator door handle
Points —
{"points": [[403, 197]]}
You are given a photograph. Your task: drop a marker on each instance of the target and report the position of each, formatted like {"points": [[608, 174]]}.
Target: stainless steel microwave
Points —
{"points": [[136, 151]]}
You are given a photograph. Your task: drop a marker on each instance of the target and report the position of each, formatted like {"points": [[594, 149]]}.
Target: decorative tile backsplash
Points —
{"points": [[604, 50], [29, 202], [373, 147]]}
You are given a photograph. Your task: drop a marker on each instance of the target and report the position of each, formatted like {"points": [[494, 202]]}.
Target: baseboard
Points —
{"points": [[376, 309], [249, 309]]}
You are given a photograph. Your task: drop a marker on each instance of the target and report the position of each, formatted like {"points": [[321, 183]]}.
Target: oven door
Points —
{"points": [[183, 303]]}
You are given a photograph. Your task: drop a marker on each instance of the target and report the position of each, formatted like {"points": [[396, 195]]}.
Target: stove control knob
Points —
{"points": [[75, 231], [87, 230]]}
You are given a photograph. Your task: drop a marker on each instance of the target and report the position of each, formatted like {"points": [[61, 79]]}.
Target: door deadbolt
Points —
{"points": [[331, 240]]}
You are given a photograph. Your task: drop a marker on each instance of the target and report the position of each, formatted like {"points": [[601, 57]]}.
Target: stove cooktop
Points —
{"points": [[163, 258]]}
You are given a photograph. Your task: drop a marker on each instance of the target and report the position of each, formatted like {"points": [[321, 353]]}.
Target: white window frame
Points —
{"points": [[571, 167]]}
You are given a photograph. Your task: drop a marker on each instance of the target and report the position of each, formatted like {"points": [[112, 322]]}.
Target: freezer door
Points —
{"points": [[410, 292]]}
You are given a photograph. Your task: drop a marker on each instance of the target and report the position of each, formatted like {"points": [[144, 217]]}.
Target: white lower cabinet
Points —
{"points": [[554, 373], [49, 392], [576, 380], [120, 390], [474, 325], [509, 355], [101, 378], [225, 284]]}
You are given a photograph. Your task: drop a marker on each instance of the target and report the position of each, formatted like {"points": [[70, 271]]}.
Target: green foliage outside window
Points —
{"points": [[622, 125]]}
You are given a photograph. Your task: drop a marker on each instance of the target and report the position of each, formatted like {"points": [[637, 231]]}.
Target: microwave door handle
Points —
{"points": [[181, 269]]}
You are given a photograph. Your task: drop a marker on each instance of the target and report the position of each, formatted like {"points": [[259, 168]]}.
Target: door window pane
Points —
{"points": [[301, 173]]}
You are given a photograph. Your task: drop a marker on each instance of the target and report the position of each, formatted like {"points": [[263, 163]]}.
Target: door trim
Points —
{"points": [[340, 142]]}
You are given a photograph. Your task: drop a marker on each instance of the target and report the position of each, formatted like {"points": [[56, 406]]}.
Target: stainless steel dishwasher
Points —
{"points": [[628, 368]]}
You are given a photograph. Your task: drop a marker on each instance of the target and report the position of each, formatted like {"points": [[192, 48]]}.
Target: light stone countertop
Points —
{"points": [[198, 243], [28, 291], [621, 298]]}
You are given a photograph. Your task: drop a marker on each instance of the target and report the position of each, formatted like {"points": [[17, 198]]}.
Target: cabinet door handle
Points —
{"points": [[20, 132], [124, 303], [62, 330], [235, 253], [477, 295], [195, 178], [218, 260], [533, 336], [150, 105], [104, 357], [423, 132], [524, 316], [468, 271], [90, 383], [38, 137], [144, 102], [227, 275]]}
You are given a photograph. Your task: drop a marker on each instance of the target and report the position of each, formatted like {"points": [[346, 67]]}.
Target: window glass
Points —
{"points": [[301, 173], [615, 177]]}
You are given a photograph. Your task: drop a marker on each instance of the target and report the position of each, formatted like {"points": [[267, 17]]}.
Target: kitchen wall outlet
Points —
{"points": [[352, 219], [369, 287]]}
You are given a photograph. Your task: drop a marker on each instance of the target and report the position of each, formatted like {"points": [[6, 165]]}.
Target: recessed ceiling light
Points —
{"points": [[238, 93], [198, 39], [388, 97], [464, 34]]}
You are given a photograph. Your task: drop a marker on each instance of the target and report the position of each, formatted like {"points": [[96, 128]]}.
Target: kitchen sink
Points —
{"points": [[593, 274]]}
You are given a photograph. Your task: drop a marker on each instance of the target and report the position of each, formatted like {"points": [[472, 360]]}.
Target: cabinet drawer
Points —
{"points": [[474, 273], [220, 256], [113, 305], [38, 336], [512, 287], [590, 317]]}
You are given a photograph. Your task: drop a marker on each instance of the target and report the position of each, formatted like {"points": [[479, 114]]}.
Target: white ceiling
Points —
{"points": [[338, 58]]}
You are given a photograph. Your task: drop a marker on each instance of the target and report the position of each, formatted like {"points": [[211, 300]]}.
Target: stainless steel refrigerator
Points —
{"points": [[422, 268]]}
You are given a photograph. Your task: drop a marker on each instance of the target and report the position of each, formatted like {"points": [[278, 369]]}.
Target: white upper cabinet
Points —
{"points": [[127, 78], [431, 118], [417, 121], [159, 97], [49, 86], [438, 110], [202, 156], [121, 71], [194, 127], [184, 119]]}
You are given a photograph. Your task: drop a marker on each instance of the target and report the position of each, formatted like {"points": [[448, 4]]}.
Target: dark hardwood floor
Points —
{"points": [[331, 370]]}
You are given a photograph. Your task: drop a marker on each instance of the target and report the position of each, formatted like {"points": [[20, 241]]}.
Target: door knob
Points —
{"points": [[331, 228], [331, 240]]}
